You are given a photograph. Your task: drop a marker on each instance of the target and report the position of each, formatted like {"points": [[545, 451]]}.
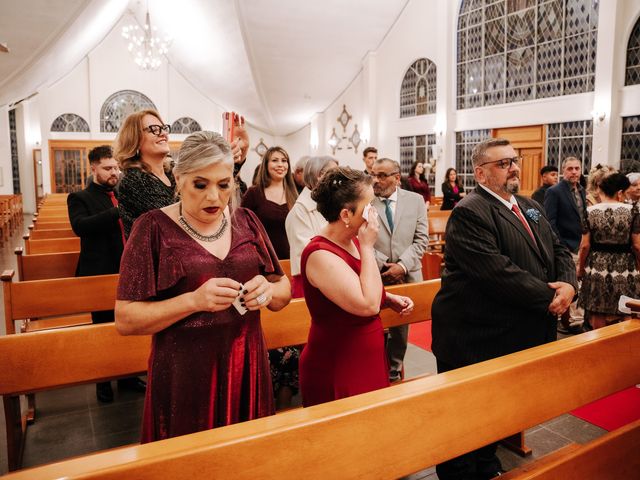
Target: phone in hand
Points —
{"points": [[230, 120]]}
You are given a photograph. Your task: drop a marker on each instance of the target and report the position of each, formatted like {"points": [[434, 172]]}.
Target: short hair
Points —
{"points": [[548, 169], [369, 150], [314, 169], [129, 138], [302, 161], [570, 159], [395, 164], [613, 183], [98, 153], [634, 177], [263, 179], [480, 150], [337, 189]]}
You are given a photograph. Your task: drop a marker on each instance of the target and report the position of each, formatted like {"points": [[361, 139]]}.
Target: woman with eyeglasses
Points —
{"points": [[452, 190]]}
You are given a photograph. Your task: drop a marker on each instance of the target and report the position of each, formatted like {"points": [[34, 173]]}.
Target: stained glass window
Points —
{"points": [[418, 90], [465, 141], [630, 151], [417, 148], [69, 122], [632, 75], [517, 50], [185, 125], [119, 106], [570, 139]]}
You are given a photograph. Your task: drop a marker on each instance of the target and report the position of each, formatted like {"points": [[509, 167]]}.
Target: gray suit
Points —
{"points": [[406, 245]]}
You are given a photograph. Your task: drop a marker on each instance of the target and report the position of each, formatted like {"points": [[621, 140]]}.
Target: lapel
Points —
{"points": [[382, 216], [397, 218], [570, 199]]}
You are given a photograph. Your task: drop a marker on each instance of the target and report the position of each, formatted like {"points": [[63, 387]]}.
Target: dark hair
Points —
{"points": [[547, 169], [98, 153], [369, 150], [337, 189], [446, 177], [412, 170], [263, 179], [611, 184]]}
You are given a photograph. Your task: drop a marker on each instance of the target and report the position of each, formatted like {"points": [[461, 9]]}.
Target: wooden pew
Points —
{"points": [[402, 429], [52, 245], [43, 234], [46, 265], [437, 229], [55, 358], [46, 225], [431, 265]]}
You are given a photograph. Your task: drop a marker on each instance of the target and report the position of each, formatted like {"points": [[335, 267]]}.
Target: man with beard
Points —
{"points": [[506, 279], [94, 217]]}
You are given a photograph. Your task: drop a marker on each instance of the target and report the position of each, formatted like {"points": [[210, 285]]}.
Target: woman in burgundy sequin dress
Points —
{"points": [[345, 353], [182, 268]]}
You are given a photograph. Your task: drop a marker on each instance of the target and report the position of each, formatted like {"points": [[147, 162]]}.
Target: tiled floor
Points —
{"points": [[71, 422]]}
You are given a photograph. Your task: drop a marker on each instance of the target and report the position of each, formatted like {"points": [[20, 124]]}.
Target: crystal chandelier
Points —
{"points": [[145, 44]]}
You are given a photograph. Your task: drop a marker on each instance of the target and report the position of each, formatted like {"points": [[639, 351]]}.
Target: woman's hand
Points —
{"points": [[398, 303], [368, 231], [257, 293], [216, 294]]}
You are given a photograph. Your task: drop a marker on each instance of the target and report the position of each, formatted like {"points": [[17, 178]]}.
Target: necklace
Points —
{"points": [[196, 234]]}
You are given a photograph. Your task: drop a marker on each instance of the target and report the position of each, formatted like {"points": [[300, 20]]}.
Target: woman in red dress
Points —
{"points": [[418, 181], [345, 353], [182, 268]]}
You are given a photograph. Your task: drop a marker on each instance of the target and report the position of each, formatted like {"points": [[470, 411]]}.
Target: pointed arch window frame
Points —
{"points": [[121, 104], [413, 101]]}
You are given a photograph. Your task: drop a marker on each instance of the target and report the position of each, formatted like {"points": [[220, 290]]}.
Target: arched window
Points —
{"points": [[185, 125], [632, 76], [120, 105], [515, 50], [69, 122], [418, 91]]}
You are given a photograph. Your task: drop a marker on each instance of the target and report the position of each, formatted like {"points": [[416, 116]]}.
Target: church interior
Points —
{"points": [[421, 81]]}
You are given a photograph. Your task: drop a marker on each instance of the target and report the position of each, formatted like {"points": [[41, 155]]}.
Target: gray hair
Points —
{"points": [[395, 164], [200, 150], [314, 169], [480, 150], [570, 159], [301, 163], [634, 177]]}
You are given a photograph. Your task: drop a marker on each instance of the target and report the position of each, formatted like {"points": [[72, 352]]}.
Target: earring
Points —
{"points": [[347, 225], [138, 153]]}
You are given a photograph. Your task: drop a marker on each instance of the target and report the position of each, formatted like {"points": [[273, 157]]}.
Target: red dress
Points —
{"points": [[208, 369], [345, 353]]}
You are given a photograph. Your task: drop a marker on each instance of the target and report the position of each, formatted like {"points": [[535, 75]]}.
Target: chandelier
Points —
{"points": [[146, 46]]}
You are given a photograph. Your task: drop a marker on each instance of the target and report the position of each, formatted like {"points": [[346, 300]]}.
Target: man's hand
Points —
{"points": [[563, 297], [394, 274]]}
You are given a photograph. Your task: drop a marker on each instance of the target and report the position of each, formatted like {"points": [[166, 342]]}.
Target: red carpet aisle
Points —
{"points": [[613, 411], [420, 335]]}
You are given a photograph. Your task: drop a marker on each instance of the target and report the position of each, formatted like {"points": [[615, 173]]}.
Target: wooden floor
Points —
{"points": [[71, 422]]}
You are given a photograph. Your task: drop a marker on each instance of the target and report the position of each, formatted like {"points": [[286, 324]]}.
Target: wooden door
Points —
{"points": [[532, 162], [70, 167]]}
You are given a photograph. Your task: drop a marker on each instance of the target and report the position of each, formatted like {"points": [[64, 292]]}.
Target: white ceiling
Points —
{"points": [[276, 61]]}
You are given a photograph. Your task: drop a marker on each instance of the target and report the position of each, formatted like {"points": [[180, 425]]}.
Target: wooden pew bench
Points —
{"points": [[56, 358], [43, 234], [52, 245], [43, 266], [395, 431]]}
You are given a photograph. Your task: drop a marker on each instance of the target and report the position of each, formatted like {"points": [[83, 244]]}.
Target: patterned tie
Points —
{"points": [[388, 212], [114, 202], [516, 210]]}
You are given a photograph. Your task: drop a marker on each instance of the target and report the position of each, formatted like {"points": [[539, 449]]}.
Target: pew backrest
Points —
{"points": [[52, 245], [43, 234], [43, 266]]}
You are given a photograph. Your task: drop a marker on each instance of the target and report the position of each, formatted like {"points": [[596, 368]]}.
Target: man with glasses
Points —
{"points": [[506, 278], [402, 240]]}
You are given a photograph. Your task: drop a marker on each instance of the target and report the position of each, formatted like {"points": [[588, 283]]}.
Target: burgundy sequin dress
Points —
{"points": [[345, 353], [208, 369]]}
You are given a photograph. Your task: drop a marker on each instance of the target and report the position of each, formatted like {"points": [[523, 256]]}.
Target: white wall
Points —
{"points": [[6, 185]]}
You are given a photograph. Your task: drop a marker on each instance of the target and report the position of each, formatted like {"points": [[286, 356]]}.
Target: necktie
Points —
{"points": [[114, 202], [388, 212], [518, 213]]}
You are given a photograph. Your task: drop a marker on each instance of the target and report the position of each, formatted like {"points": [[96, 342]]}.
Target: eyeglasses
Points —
{"points": [[158, 130], [383, 176], [504, 163]]}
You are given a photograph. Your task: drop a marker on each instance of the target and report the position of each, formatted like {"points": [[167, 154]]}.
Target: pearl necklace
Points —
{"points": [[196, 234]]}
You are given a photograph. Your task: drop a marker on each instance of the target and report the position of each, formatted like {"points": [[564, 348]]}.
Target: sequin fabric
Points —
{"points": [[208, 369]]}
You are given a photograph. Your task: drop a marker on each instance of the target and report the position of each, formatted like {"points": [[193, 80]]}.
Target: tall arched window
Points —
{"points": [[120, 105], [515, 50], [632, 76], [418, 91], [185, 125], [69, 122]]}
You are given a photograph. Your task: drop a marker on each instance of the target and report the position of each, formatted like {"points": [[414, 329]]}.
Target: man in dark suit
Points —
{"points": [[566, 208], [506, 277], [402, 240], [94, 218], [549, 175]]}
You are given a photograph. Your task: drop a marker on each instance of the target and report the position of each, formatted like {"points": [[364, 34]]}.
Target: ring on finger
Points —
{"points": [[261, 298]]}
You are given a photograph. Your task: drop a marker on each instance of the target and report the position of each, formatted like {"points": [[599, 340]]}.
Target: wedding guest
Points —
{"points": [[596, 174], [632, 194], [418, 181], [452, 190]]}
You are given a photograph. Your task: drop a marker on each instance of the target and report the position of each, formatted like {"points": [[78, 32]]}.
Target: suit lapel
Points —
{"points": [[382, 216], [570, 198]]}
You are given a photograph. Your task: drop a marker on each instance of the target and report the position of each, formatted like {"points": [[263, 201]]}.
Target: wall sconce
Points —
{"points": [[598, 116]]}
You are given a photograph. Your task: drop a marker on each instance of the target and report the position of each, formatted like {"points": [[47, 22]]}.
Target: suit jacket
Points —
{"points": [[563, 213], [494, 297], [410, 237], [538, 195], [95, 220]]}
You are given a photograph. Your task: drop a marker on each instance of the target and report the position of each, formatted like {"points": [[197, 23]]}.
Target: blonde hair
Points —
{"points": [[264, 180], [596, 175], [128, 141]]}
